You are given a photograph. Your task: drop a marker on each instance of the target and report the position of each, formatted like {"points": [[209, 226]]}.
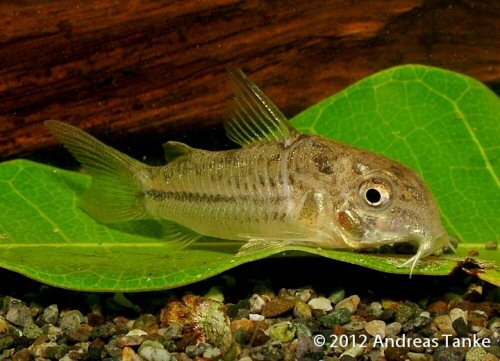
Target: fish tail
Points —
{"points": [[115, 194]]}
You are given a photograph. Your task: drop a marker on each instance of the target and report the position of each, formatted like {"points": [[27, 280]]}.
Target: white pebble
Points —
{"points": [[256, 317], [256, 303], [320, 303], [456, 313], [425, 314], [136, 332], [393, 329], [153, 351]]}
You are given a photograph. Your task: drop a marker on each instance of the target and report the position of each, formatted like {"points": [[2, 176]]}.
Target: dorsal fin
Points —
{"points": [[173, 150], [253, 117]]}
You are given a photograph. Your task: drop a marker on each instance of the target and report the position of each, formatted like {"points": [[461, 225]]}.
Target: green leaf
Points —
{"points": [[443, 124]]}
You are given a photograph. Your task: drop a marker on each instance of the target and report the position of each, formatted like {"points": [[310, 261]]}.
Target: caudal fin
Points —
{"points": [[115, 193]]}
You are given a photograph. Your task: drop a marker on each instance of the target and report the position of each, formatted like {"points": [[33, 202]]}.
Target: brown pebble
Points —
{"points": [[128, 354], [22, 355], [120, 320], [465, 305], [490, 308], [278, 306], [473, 253], [244, 324], [476, 321], [260, 337], [95, 319], [437, 307], [396, 353], [81, 334], [338, 330]]}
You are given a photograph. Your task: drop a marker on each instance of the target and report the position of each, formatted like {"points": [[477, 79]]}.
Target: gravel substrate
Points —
{"points": [[240, 317]]}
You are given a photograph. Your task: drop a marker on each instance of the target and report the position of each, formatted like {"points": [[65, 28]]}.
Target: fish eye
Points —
{"points": [[375, 193]]}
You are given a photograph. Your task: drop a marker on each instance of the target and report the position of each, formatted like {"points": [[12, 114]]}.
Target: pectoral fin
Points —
{"points": [[253, 117], [177, 235], [258, 245]]}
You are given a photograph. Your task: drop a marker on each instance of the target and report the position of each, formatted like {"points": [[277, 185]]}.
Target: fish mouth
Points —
{"points": [[427, 246]]}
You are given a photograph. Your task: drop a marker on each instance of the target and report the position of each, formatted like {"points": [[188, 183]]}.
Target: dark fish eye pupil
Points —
{"points": [[373, 196]]}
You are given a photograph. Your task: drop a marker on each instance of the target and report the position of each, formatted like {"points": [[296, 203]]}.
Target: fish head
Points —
{"points": [[387, 202]]}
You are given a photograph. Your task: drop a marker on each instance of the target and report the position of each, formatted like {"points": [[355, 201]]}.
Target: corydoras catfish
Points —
{"points": [[281, 187]]}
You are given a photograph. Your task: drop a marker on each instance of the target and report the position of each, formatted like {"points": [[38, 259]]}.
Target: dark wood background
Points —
{"points": [[137, 73]]}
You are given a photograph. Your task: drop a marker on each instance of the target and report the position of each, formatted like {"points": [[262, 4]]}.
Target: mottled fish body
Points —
{"points": [[281, 187]]}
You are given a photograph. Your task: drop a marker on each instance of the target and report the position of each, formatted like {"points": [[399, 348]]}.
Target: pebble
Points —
{"points": [[306, 347], [376, 327], [355, 325], [444, 353], [352, 353], [437, 307], [416, 323], [375, 310], [393, 329], [70, 320], [278, 306], [153, 351], [53, 332], [81, 334], [406, 312], [211, 353], [456, 313], [491, 245], [215, 293], [320, 303], [301, 310], [475, 354], [460, 327], [495, 326], [268, 352], [51, 314], [32, 331], [147, 323], [6, 342], [337, 295], [396, 353], [337, 317], [415, 356], [136, 332], [283, 331], [443, 322], [351, 303], [128, 341], [129, 354], [21, 355], [304, 294], [19, 314], [256, 317], [302, 330], [256, 303], [476, 321]]}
